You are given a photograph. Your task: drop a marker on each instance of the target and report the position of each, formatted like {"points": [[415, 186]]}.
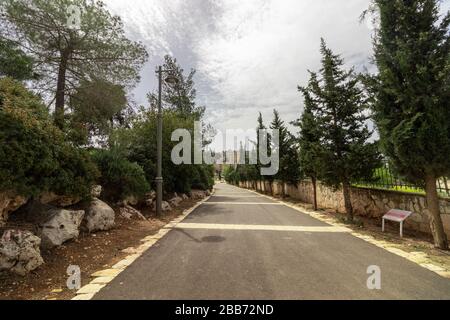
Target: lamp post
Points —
{"points": [[171, 80]]}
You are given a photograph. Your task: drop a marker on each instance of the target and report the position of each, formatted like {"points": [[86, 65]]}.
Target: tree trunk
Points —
{"points": [[437, 228], [314, 183], [60, 91], [348, 201]]}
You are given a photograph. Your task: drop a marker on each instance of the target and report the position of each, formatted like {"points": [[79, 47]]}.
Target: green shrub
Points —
{"points": [[139, 144], [202, 177], [120, 178], [34, 155], [231, 175]]}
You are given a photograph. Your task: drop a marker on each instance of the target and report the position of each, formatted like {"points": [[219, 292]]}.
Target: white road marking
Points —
{"points": [[227, 196], [208, 226], [245, 203], [234, 194]]}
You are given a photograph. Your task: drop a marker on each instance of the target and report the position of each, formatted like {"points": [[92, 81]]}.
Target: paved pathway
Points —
{"points": [[239, 245]]}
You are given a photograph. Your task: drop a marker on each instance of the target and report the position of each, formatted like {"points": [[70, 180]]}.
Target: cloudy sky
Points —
{"points": [[249, 55]]}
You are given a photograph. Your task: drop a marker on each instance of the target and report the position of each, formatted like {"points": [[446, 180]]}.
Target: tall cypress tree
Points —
{"points": [[412, 95], [260, 127], [309, 142], [339, 108], [288, 171]]}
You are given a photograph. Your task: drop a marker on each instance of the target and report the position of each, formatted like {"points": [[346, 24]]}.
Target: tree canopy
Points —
{"points": [[181, 96], [14, 62], [288, 161], [412, 95], [339, 105], [66, 55]]}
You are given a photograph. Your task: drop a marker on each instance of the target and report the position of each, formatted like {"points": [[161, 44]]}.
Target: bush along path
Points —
{"points": [[35, 253]]}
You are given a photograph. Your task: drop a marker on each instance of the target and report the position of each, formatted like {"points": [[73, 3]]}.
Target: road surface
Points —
{"points": [[240, 245]]}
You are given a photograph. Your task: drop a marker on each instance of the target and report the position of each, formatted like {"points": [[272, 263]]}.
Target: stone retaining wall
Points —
{"points": [[370, 203]]}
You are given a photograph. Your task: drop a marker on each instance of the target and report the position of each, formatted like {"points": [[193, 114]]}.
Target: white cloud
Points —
{"points": [[250, 55], [262, 50]]}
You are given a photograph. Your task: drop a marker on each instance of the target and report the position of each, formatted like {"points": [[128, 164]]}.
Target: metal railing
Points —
{"points": [[386, 179]]}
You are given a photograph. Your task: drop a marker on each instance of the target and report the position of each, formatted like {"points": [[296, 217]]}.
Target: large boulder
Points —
{"points": [[9, 202], [19, 252], [99, 217], [57, 200], [59, 226]]}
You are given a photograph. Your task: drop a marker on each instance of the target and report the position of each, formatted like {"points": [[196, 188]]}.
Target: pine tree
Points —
{"points": [[14, 62], [260, 128], [309, 142], [63, 56], [288, 156], [182, 96], [412, 95], [339, 109]]}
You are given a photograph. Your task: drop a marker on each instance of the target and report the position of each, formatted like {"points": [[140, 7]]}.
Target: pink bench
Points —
{"points": [[397, 216]]}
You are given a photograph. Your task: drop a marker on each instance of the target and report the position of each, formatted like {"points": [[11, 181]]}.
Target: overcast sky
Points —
{"points": [[250, 55]]}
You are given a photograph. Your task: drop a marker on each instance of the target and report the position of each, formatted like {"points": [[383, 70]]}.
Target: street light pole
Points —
{"points": [[171, 80], [159, 178]]}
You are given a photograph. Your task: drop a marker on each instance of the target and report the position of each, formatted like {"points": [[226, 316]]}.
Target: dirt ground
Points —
{"points": [[91, 252]]}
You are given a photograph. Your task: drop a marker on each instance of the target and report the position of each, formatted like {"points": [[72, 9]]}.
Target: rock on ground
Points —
{"points": [[150, 198], [9, 203], [19, 252], [175, 202], [99, 217], [165, 206], [57, 200], [60, 226], [198, 194], [96, 191], [148, 202], [129, 201], [129, 212]]}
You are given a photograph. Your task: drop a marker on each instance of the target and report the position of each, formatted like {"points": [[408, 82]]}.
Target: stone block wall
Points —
{"points": [[370, 203]]}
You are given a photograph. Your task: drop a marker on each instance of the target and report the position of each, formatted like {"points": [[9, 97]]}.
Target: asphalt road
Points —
{"points": [[243, 246]]}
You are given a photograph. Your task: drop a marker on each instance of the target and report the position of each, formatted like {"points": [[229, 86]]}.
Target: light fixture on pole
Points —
{"points": [[172, 81]]}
